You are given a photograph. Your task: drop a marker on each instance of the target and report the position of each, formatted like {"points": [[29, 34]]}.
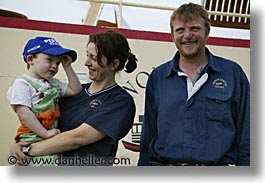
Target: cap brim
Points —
{"points": [[61, 51]]}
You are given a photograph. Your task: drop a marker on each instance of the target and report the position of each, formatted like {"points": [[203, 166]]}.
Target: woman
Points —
{"points": [[94, 121]]}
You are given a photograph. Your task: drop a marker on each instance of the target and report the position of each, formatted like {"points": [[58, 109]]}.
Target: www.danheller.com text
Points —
{"points": [[64, 161]]}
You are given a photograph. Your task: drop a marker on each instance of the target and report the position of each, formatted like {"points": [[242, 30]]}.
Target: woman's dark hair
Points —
{"points": [[114, 45]]}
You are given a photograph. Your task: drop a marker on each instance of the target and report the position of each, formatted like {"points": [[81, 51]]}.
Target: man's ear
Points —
{"points": [[115, 64]]}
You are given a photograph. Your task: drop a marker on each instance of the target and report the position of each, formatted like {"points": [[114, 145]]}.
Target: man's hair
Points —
{"points": [[187, 12]]}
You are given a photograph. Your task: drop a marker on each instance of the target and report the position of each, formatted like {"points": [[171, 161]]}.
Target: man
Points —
{"points": [[197, 104]]}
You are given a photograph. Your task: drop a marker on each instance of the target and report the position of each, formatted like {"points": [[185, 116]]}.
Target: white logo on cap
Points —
{"points": [[51, 41], [34, 48]]}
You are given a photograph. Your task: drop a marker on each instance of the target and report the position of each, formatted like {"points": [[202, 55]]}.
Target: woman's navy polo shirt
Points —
{"points": [[110, 111]]}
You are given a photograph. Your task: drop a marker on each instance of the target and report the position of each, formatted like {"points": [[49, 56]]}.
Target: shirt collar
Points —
{"points": [[174, 64]]}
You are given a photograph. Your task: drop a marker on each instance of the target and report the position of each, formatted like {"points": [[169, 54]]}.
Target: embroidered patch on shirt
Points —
{"points": [[219, 83], [95, 103]]}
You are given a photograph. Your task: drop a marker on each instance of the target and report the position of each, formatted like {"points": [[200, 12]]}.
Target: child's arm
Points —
{"points": [[31, 121], [74, 87]]}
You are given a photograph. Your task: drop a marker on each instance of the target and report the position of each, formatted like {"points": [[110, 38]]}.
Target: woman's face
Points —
{"points": [[96, 72]]}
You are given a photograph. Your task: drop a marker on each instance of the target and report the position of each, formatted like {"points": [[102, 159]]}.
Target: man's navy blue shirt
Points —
{"points": [[208, 122]]}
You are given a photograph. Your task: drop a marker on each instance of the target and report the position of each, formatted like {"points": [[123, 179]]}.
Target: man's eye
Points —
{"points": [[196, 28], [179, 30]]}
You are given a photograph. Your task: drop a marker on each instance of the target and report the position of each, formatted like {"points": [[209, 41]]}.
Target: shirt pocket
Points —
{"points": [[217, 106]]}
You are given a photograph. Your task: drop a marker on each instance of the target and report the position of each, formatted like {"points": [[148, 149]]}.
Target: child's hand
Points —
{"points": [[66, 60], [52, 132]]}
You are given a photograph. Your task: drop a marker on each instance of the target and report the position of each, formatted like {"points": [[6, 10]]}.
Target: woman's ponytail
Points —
{"points": [[131, 64]]}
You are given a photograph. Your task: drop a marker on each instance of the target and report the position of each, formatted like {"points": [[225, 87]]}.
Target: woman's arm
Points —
{"points": [[69, 140]]}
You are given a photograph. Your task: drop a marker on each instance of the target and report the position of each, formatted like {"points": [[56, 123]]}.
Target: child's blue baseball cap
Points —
{"points": [[46, 45]]}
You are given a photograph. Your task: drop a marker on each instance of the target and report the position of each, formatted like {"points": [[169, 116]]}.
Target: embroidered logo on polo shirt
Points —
{"points": [[219, 83], [95, 103]]}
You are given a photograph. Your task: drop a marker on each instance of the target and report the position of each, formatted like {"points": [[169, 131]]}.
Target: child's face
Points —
{"points": [[43, 66]]}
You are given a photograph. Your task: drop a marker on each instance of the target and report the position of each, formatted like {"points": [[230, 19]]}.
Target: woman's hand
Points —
{"points": [[15, 150]]}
